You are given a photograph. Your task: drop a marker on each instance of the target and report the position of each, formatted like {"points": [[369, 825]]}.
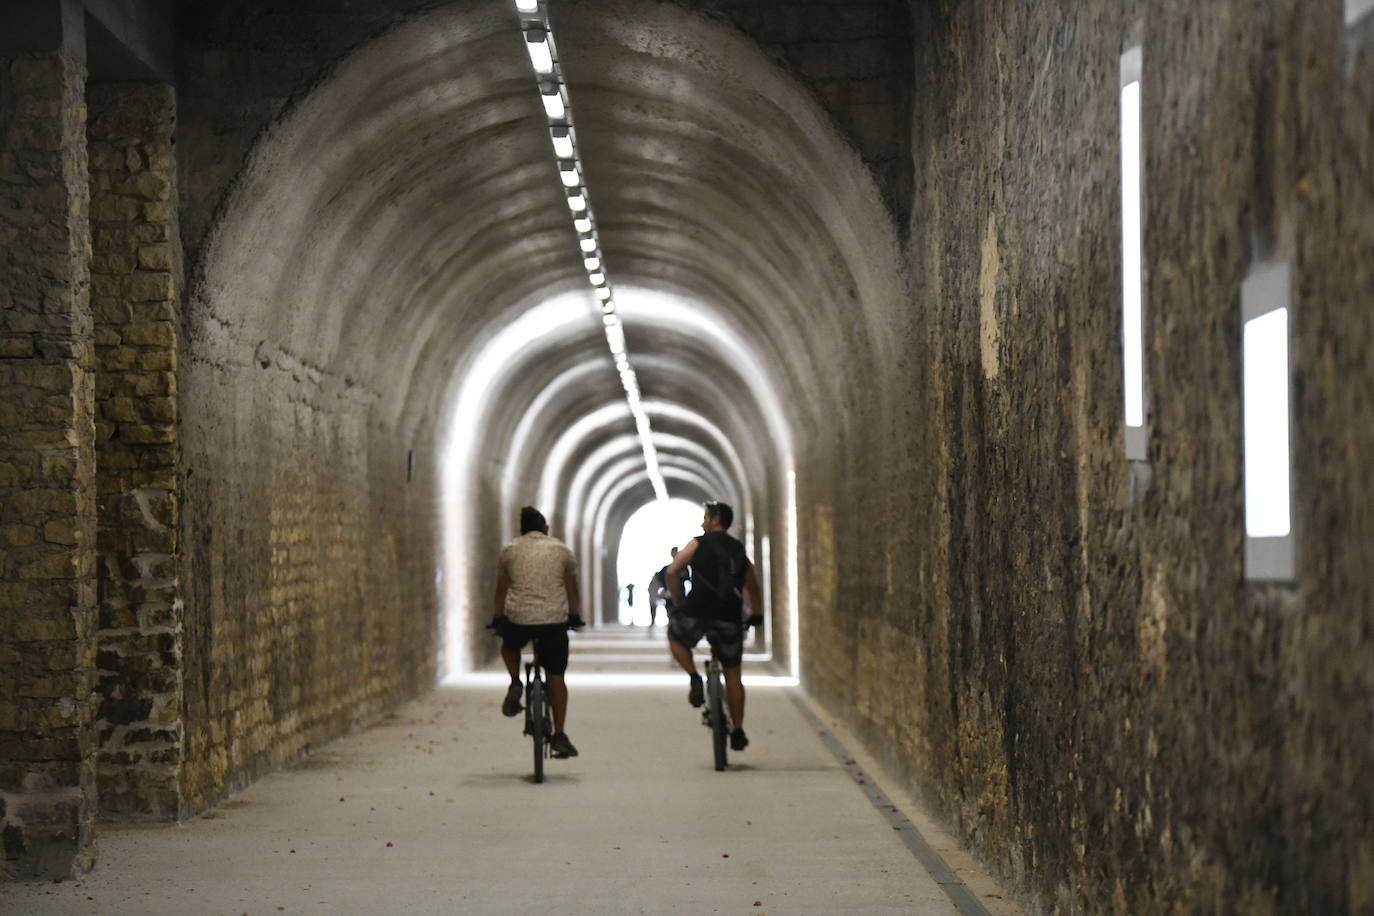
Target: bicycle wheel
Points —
{"points": [[720, 726], [538, 731]]}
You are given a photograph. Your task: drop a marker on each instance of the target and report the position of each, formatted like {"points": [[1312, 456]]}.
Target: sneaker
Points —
{"points": [[561, 746], [738, 740], [511, 705], [696, 694]]}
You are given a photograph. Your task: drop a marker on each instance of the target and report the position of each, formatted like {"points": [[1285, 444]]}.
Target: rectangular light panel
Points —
{"points": [[1132, 270], [540, 55], [1266, 385]]}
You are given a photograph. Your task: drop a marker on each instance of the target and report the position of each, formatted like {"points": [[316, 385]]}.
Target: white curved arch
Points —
{"points": [[534, 414]]}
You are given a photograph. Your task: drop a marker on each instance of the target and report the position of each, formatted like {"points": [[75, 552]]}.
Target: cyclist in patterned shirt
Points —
{"points": [[721, 575], [537, 599]]}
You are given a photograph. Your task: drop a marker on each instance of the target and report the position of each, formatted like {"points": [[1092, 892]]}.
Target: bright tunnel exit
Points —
{"points": [[646, 547]]}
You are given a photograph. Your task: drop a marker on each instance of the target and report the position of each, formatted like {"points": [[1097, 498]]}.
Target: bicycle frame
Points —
{"points": [[538, 720], [716, 715]]}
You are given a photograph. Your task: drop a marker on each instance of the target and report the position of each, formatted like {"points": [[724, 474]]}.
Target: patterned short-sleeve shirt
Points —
{"points": [[535, 564]]}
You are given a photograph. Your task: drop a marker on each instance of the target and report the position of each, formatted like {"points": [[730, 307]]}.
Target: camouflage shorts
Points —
{"points": [[724, 636]]}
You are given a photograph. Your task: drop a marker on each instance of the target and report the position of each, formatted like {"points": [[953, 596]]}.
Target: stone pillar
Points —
{"points": [[135, 276], [47, 464]]}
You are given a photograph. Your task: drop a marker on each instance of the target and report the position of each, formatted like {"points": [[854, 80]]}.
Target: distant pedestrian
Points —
{"points": [[658, 592]]}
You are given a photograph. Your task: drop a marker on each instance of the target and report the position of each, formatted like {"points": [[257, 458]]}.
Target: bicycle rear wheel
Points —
{"points": [[720, 726], [538, 731]]}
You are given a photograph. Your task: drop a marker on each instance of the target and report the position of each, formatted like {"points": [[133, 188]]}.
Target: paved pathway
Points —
{"points": [[431, 811]]}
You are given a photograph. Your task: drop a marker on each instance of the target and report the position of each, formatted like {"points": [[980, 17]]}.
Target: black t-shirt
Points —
{"points": [[718, 570]]}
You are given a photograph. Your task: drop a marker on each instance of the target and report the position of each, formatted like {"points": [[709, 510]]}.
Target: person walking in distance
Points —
{"points": [[721, 577], [537, 599], [658, 591]]}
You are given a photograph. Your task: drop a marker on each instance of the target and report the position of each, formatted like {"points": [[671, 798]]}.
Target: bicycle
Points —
{"points": [[716, 716], [538, 711], [538, 718]]}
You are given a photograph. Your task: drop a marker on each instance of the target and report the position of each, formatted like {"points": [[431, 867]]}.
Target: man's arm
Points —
{"points": [[754, 595], [655, 588], [502, 586], [674, 573], [570, 586]]}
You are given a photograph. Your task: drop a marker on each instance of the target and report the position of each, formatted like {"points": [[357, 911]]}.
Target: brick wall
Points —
{"points": [[47, 496], [135, 284]]}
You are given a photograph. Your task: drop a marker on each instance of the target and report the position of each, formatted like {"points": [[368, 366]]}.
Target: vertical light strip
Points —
{"points": [[1132, 257], [793, 580], [1355, 10], [1266, 425], [553, 90], [765, 573], [1264, 301]]}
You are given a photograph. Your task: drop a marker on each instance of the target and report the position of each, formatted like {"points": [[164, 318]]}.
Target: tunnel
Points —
{"points": [[297, 317]]}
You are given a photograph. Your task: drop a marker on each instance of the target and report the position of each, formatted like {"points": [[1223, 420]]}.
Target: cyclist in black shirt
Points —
{"points": [[721, 576]]}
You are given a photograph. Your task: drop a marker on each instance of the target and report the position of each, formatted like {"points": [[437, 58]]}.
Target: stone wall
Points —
{"points": [[309, 577], [855, 55], [135, 298], [47, 497], [308, 551], [1090, 687]]}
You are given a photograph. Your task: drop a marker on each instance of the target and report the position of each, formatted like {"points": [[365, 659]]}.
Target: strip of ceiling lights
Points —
{"points": [[553, 91]]}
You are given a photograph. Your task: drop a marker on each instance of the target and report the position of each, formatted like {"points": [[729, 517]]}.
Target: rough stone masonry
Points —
{"points": [[47, 470]]}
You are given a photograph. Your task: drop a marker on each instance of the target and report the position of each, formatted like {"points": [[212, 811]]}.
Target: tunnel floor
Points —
{"points": [[432, 810]]}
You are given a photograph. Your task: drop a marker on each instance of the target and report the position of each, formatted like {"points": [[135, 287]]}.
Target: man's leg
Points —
{"points": [[683, 634], [683, 655], [734, 694], [558, 699], [510, 706], [512, 659]]}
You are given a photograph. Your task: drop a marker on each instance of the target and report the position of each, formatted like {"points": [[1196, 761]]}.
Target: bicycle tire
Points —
{"points": [[538, 732], [719, 724]]}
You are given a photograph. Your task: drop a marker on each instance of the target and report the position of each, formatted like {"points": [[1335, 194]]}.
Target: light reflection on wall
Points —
{"points": [[479, 390]]}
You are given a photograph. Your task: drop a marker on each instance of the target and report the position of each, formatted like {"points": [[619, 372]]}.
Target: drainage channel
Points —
{"points": [[957, 891]]}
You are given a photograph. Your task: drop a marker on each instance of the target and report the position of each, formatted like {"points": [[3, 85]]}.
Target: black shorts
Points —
{"points": [[552, 639], [726, 637]]}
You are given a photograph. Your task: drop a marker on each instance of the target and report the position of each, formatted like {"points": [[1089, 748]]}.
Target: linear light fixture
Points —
{"points": [[541, 55], [1266, 380], [553, 93], [554, 106], [562, 142], [1132, 258]]}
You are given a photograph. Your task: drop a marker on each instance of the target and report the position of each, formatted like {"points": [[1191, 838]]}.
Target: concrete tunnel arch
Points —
{"points": [[442, 299]]}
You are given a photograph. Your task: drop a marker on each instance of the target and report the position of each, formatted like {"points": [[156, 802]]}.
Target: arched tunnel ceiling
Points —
{"points": [[403, 230], [410, 201]]}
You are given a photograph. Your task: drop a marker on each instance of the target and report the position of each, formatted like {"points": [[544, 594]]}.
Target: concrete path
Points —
{"points": [[431, 810]]}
